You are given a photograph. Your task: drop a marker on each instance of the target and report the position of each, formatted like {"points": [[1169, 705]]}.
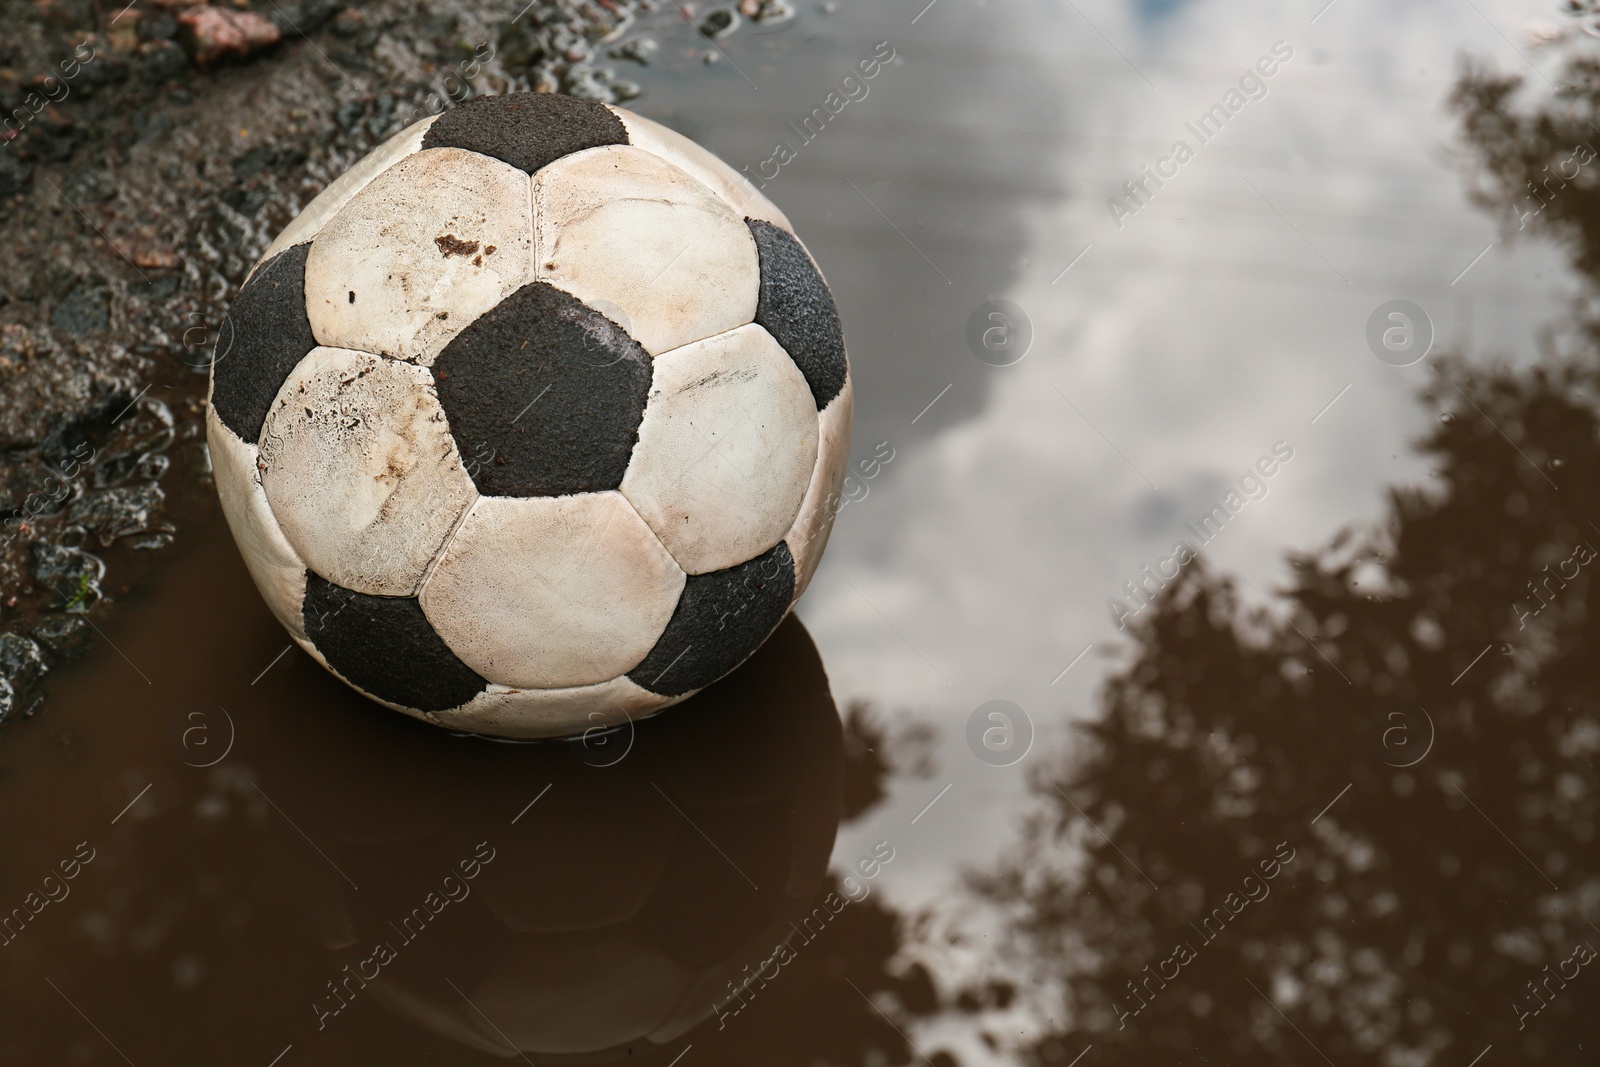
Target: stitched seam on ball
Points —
{"points": [[271, 408], [738, 181], [536, 205], [271, 516], [655, 640], [709, 337], [823, 528], [438, 557]]}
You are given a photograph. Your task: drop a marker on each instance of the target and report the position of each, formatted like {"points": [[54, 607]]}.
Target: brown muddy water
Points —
{"points": [[1204, 677], [284, 838]]}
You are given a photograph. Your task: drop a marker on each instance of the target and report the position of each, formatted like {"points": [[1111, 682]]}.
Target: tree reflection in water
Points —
{"points": [[1436, 896]]}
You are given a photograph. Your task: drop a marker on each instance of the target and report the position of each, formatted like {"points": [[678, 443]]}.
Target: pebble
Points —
{"points": [[65, 635], [719, 23], [163, 61], [639, 50], [151, 543], [15, 175], [71, 573], [213, 35], [772, 11], [90, 187], [157, 26], [85, 311], [115, 513], [302, 16], [21, 660]]}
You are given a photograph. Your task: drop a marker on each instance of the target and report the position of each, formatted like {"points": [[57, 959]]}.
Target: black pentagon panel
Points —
{"points": [[386, 646], [526, 130], [544, 395], [797, 309], [265, 334], [721, 618]]}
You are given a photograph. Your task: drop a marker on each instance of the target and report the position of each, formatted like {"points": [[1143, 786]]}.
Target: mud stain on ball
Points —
{"points": [[362, 472], [451, 245]]}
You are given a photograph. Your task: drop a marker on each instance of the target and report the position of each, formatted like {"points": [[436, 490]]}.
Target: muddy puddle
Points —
{"points": [[281, 863]]}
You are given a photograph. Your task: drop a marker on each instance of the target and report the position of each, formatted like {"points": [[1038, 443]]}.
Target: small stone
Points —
{"points": [[152, 466], [85, 311], [157, 26], [163, 61], [90, 187], [348, 23], [300, 17], [16, 345], [72, 574], [639, 50], [51, 282], [281, 159], [31, 488], [21, 660], [157, 409], [8, 700], [719, 23], [116, 467], [213, 34], [151, 125], [67, 14], [15, 175], [197, 456], [149, 253], [119, 512], [65, 635]]}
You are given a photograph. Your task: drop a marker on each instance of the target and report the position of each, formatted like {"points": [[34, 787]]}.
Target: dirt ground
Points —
{"points": [[148, 154]]}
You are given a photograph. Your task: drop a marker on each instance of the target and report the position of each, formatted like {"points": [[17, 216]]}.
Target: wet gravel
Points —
{"points": [[149, 154]]}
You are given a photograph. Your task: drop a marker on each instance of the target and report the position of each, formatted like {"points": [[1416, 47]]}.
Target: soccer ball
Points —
{"points": [[534, 420]]}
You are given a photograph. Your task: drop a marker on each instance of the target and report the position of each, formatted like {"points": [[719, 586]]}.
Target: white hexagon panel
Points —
{"points": [[726, 449], [553, 592], [620, 225], [426, 247], [361, 471]]}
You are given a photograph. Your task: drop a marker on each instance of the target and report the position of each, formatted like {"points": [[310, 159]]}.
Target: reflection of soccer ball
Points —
{"points": [[533, 420], [608, 919]]}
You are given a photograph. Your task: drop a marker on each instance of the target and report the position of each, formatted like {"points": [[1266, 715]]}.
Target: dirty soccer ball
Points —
{"points": [[534, 420]]}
